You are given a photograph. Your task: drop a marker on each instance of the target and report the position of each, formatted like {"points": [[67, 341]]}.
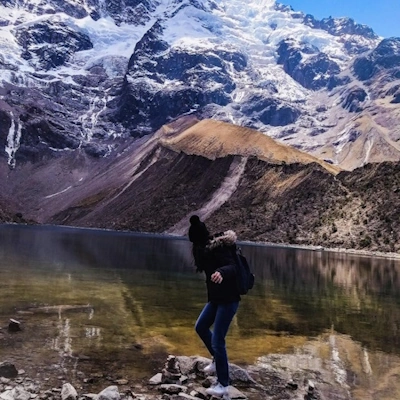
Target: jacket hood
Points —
{"points": [[227, 238]]}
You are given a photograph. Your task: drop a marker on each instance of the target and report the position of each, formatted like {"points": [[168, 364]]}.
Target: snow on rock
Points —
{"points": [[100, 71]]}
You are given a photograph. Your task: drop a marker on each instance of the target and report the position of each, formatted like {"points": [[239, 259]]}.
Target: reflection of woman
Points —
{"points": [[198, 235], [223, 302]]}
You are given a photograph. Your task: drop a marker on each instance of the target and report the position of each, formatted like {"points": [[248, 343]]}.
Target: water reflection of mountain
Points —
{"points": [[356, 295], [149, 282], [58, 247]]}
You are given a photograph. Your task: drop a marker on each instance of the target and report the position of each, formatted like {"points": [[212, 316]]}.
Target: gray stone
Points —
{"points": [[17, 393], [186, 364], [32, 387], [189, 365], [199, 392], [138, 397], [7, 395], [89, 396], [109, 393], [156, 379], [183, 379], [239, 375], [68, 392], [170, 377], [141, 397], [172, 365], [184, 396], [173, 389], [235, 393]]}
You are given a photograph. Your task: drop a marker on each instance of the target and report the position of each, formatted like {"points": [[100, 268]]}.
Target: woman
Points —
{"points": [[223, 302]]}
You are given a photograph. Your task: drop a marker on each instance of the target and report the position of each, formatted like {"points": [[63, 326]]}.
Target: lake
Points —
{"points": [[91, 301]]}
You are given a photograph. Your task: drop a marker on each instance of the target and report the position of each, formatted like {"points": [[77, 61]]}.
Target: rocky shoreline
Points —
{"points": [[182, 378], [358, 252]]}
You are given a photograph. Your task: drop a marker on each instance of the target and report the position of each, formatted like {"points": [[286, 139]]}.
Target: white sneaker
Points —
{"points": [[218, 390], [210, 369]]}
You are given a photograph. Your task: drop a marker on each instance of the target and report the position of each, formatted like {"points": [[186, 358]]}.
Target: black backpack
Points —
{"points": [[244, 276]]}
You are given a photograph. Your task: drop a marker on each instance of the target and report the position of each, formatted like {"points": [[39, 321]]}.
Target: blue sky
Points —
{"points": [[383, 16]]}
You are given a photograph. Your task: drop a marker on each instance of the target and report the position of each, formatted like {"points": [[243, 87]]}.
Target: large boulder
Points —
{"points": [[8, 370]]}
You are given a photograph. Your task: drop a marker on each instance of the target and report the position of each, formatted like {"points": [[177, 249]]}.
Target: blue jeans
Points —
{"points": [[221, 316]]}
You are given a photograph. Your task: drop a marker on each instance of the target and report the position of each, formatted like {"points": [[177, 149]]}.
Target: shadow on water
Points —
{"points": [[95, 302]]}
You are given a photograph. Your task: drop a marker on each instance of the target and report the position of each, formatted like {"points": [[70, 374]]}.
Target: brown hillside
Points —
{"points": [[214, 139]]}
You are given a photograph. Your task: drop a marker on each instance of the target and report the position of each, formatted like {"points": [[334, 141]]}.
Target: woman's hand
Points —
{"points": [[216, 277]]}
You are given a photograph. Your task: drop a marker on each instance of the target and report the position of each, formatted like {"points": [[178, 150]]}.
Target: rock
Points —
{"points": [[156, 379], [183, 379], [17, 393], [171, 372], [171, 364], [186, 364], [199, 392], [68, 392], [139, 397], [172, 388], [32, 387], [14, 326], [6, 395], [235, 393], [170, 377], [292, 385], [239, 376], [184, 396], [8, 370], [88, 396], [109, 393]]}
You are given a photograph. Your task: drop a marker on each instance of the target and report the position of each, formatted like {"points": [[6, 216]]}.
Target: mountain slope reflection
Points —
{"points": [[92, 300]]}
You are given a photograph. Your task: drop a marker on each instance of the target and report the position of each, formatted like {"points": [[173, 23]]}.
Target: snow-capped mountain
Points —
{"points": [[88, 74]]}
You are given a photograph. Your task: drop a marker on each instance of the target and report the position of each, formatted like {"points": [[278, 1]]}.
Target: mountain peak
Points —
{"points": [[104, 71]]}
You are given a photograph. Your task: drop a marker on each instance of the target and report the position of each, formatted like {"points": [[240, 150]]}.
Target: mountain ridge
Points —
{"points": [[150, 187], [216, 139], [101, 72], [133, 114]]}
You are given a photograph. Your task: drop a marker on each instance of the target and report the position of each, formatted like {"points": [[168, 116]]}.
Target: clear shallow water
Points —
{"points": [[91, 301]]}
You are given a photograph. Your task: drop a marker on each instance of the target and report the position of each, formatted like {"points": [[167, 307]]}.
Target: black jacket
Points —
{"points": [[220, 256]]}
